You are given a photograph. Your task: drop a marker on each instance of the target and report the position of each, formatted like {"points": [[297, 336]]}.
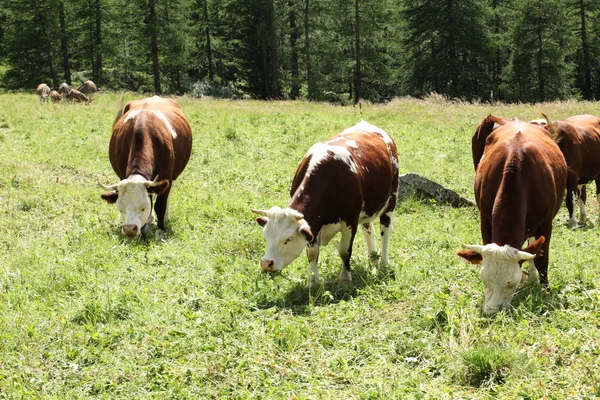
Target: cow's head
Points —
{"points": [[132, 197], [286, 233], [500, 270]]}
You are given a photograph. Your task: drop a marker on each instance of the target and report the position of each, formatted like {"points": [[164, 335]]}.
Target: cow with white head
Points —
{"points": [[520, 182], [134, 197], [151, 138], [346, 181]]}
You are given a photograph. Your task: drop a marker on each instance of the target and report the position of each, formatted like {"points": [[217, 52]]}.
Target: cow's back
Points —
{"points": [[579, 140], [174, 146], [355, 171], [520, 181]]}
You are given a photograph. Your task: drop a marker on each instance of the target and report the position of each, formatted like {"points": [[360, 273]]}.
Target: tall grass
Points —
{"points": [[85, 313]]}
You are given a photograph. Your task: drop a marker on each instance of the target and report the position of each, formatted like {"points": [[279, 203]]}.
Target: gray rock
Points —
{"points": [[410, 185]]}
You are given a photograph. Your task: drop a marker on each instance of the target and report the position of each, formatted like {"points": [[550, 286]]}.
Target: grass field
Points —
{"points": [[85, 313]]}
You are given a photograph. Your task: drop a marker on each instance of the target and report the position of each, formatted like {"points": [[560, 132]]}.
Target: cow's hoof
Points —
{"points": [[573, 223], [345, 276], [312, 280], [160, 235], [145, 230]]}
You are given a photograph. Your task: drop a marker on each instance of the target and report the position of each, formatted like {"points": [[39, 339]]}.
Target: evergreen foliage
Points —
{"points": [[510, 50]]}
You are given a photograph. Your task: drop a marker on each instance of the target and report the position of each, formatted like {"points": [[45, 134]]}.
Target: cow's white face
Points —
{"points": [[133, 201], [286, 233], [500, 273], [134, 205]]}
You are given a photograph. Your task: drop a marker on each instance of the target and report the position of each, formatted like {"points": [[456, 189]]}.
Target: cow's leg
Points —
{"points": [[569, 203], [312, 253], [541, 261], [345, 250], [368, 232], [161, 207], [385, 225], [582, 198], [168, 202], [597, 180]]}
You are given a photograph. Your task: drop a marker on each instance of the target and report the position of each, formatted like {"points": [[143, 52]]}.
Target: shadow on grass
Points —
{"points": [[300, 298]]}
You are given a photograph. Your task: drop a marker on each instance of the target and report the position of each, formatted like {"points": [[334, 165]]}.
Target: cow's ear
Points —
{"points": [[160, 187], [262, 221], [111, 197], [306, 232], [470, 256], [536, 247]]}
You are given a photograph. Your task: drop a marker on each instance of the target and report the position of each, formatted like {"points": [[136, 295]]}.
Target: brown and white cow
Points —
{"points": [[75, 94], [578, 138], [150, 146], [349, 180], [520, 182], [55, 96], [43, 91], [88, 87]]}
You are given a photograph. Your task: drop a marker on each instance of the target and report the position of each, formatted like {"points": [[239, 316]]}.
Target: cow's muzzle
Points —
{"points": [[267, 265], [131, 231]]}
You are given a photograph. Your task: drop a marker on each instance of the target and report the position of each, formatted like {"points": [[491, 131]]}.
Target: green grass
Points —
{"points": [[85, 313]]}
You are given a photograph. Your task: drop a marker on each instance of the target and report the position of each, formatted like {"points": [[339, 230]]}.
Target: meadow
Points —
{"points": [[86, 313]]}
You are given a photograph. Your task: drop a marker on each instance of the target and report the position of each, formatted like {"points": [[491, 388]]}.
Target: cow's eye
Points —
{"points": [[286, 241]]}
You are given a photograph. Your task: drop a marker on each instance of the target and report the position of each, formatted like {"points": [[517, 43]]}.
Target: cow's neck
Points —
{"points": [[311, 203], [141, 156]]}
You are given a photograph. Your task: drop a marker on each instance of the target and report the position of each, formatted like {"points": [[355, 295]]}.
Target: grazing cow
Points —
{"points": [[520, 182], [578, 138], [55, 96], [346, 181], [64, 88], [150, 146], [75, 94], [43, 91], [88, 87]]}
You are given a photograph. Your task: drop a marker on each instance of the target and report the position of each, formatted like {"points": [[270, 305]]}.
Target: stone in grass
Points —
{"points": [[410, 185]]}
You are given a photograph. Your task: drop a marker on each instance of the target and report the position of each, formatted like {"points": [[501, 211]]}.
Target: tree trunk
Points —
{"points": [[211, 71], [275, 89], [295, 89], [47, 46], [540, 59], [98, 40], [311, 92], [357, 71], [497, 66], [63, 43], [587, 85], [452, 52], [265, 70], [154, 44]]}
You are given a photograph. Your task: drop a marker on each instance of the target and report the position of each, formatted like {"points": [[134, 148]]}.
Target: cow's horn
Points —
{"points": [[153, 183], [108, 187], [261, 212], [523, 255], [477, 248]]}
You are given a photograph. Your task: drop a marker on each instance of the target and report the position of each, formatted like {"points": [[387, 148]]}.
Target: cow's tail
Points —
{"points": [[121, 109]]}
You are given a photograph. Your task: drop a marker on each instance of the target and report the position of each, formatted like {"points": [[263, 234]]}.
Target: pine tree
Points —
{"points": [[447, 45], [31, 43], [538, 69]]}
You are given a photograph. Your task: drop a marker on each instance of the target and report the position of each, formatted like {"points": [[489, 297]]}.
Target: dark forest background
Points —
{"points": [[327, 50]]}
